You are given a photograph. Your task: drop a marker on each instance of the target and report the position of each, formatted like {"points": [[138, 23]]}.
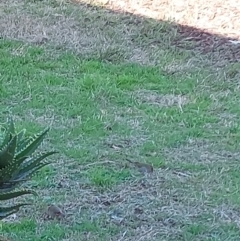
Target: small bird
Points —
{"points": [[142, 167], [55, 212]]}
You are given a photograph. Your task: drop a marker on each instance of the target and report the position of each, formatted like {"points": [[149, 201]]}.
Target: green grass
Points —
{"points": [[92, 107]]}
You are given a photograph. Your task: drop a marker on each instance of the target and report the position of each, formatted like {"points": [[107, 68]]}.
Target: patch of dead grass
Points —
{"points": [[200, 152], [81, 31], [153, 203], [228, 214], [167, 100]]}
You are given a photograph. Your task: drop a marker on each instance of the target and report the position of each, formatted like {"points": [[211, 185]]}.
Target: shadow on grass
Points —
{"points": [[151, 34], [116, 37]]}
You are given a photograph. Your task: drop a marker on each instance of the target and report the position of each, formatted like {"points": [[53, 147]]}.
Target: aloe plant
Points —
{"points": [[18, 162]]}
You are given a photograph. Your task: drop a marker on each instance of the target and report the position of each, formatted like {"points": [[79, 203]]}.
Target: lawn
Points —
{"points": [[171, 109]]}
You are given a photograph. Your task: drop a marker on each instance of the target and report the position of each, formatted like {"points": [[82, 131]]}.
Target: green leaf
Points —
{"points": [[7, 174], [8, 133], [23, 144], [7, 187], [10, 186], [28, 150], [21, 134], [31, 163], [7, 154], [11, 126], [7, 211], [28, 168], [31, 172], [11, 195], [18, 163]]}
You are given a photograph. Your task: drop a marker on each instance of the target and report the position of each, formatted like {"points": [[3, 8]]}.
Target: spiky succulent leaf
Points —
{"points": [[11, 185], [2, 135], [33, 145], [8, 133], [30, 173], [7, 173], [7, 211], [34, 161], [11, 195], [17, 163], [11, 125], [7, 187], [23, 144], [8, 152], [21, 135], [20, 171]]}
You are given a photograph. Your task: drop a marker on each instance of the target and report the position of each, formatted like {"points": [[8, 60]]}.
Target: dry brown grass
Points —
{"points": [[162, 101]]}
